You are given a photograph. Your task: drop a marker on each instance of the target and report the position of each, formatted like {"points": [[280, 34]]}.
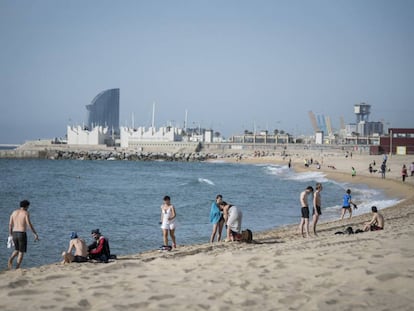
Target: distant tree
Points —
{"points": [[276, 131], [282, 132]]}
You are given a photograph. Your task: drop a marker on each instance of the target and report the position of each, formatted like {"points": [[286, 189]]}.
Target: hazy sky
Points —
{"points": [[232, 64]]}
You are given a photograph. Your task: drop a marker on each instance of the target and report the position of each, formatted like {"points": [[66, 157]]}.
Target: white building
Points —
{"points": [[77, 135], [134, 136]]}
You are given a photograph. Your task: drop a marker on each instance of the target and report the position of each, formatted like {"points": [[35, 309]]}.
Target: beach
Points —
{"points": [[280, 271]]}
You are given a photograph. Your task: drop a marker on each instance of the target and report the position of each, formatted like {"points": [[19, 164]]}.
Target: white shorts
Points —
{"points": [[168, 226]]}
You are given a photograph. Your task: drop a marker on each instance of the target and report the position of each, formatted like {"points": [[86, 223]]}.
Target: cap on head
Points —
{"points": [[95, 231]]}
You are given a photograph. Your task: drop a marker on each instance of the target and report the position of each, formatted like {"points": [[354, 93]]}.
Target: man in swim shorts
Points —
{"points": [[81, 250], [19, 220], [377, 221], [316, 206], [304, 222]]}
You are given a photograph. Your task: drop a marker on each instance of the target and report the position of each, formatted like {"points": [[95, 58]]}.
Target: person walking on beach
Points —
{"points": [[383, 169], [81, 250], [353, 172], [304, 222], [377, 221], [233, 217], [168, 221], [317, 203], [412, 169], [19, 220], [346, 206], [216, 218], [404, 173]]}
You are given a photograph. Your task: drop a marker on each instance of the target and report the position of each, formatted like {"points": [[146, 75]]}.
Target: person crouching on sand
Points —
{"points": [[233, 218], [377, 221], [81, 250]]}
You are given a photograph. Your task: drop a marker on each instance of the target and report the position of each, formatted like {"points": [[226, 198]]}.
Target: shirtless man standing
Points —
{"points": [[81, 250], [19, 220], [377, 221], [316, 206], [304, 222]]}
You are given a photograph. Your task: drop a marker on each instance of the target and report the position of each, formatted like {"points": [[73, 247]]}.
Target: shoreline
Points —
{"points": [[283, 270]]}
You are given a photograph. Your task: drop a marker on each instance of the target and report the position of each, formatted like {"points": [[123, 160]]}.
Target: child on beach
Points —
{"points": [[216, 218], [168, 221], [346, 206]]}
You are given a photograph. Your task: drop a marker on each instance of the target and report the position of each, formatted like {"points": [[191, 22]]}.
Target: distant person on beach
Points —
{"points": [[370, 169], [168, 221], [346, 206], [383, 169], [19, 221], [233, 217], [353, 172], [317, 203], [216, 218], [304, 222], [404, 173], [79, 246], [290, 163], [412, 169], [99, 250], [377, 221]]}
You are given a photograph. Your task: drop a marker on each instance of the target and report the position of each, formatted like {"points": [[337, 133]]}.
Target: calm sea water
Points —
{"points": [[123, 198]]}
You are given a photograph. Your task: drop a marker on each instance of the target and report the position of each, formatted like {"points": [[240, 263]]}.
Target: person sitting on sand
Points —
{"points": [[99, 250], [81, 250], [377, 221], [233, 218], [346, 206]]}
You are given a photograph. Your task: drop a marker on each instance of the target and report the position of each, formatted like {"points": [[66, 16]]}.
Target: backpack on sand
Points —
{"points": [[247, 236]]}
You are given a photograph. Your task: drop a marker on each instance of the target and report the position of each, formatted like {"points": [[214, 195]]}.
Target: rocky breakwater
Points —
{"points": [[136, 156]]}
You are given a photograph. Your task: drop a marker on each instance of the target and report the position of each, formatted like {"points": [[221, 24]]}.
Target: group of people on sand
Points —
{"points": [[376, 223], [317, 203], [223, 213], [77, 251]]}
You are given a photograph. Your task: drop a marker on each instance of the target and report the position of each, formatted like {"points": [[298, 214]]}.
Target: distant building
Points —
{"points": [[104, 111], [363, 127], [78, 135], [398, 141], [135, 136]]}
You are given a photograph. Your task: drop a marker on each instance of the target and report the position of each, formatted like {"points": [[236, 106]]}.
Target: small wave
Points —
{"points": [[308, 176], [205, 181], [277, 170]]}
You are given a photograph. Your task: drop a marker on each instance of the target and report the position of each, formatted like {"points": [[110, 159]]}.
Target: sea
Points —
{"points": [[123, 199]]}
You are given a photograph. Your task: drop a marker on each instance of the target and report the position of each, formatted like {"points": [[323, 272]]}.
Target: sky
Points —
{"points": [[232, 65]]}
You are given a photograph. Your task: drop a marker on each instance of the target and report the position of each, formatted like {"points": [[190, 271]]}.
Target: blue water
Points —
{"points": [[123, 198]]}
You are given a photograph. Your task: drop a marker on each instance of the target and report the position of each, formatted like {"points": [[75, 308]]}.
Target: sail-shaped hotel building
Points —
{"points": [[104, 110]]}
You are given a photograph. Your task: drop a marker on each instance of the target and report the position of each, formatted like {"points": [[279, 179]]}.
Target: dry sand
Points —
{"points": [[282, 271]]}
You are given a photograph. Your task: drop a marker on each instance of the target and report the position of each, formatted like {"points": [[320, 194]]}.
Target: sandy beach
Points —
{"points": [[280, 271]]}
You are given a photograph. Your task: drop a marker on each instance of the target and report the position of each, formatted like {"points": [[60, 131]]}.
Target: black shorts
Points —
{"points": [[318, 208], [79, 259], [305, 212], [346, 207], [20, 241]]}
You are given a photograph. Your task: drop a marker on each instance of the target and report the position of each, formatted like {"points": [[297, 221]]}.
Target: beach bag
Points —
{"points": [[247, 236]]}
